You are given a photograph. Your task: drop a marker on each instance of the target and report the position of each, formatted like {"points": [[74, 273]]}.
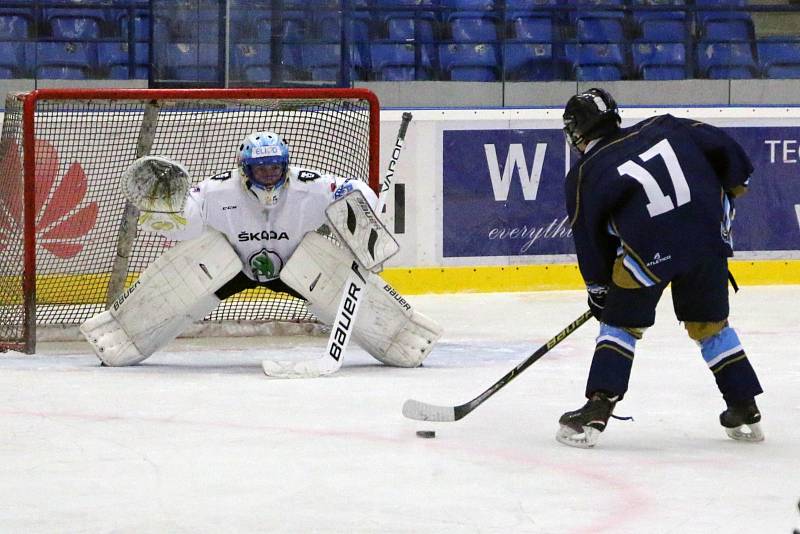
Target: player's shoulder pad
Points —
{"points": [[302, 174], [309, 179]]}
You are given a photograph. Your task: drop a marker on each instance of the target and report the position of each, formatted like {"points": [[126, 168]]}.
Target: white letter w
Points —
{"points": [[515, 159]]}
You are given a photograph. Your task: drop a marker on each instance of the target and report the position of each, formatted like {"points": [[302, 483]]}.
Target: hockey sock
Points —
{"points": [[726, 358], [612, 361]]}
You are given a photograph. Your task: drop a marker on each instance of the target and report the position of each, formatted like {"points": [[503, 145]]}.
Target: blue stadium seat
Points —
{"points": [[75, 23], [595, 9], [645, 10], [606, 73], [535, 29], [397, 62], [664, 30], [114, 58], [728, 30], [141, 23], [323, 62], [596, 61], [329, 28], [659, 61], [420, 30], [14, 27], [472, 29], [469, 62], [779, 57], [726, 60], [454, 6], [722, 10], [195, 24], [191, 62], [251, 62], [294, 26], [65, 60], [531, 62], [599, 30], [16, 59]]}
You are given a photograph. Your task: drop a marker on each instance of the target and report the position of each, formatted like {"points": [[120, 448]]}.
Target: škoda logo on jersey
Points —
{"points": [[61, 221], [264, 235]]}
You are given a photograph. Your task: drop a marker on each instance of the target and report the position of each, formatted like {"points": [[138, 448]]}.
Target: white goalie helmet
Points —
{"points": [[264, 165]]}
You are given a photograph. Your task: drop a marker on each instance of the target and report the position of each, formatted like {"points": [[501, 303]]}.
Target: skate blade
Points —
{"points": [[749, 433], [582, 440]]}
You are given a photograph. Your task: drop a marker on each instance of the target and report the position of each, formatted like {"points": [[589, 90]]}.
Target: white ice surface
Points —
{"points": [[197, 439]]}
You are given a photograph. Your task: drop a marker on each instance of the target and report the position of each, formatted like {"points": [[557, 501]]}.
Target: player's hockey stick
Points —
{"points": [[422, 411], [354, 289]]}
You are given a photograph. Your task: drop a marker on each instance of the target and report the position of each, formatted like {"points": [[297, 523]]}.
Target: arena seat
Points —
{"points": [[114, 58], [74, 23], [779, 57], [739, 29], [599, 30], [16, 59], [664, 30], [540, 29], [469, 62], [397, 62], [14, 27], [659, 61], [323, 62], [726, 60], [531, 62], [251, 62], [652, 10], [193, 62], [65, 60], [596, 61]]}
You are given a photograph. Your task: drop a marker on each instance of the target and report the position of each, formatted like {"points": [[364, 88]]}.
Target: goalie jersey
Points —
{"points": [[264, 238], [656, 196]]}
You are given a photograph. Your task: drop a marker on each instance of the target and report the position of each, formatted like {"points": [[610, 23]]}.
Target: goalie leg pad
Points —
{"points": [[174, 291], [386, 326]]}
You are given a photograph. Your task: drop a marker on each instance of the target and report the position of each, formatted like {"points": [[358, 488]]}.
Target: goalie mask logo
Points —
{"points": [[265, 264]]}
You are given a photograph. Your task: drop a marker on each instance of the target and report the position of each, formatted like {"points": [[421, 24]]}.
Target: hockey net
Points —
{"points": [[68, 240]]}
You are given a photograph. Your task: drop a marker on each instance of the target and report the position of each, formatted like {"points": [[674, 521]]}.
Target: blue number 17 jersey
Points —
{"points": [[655, 196]]}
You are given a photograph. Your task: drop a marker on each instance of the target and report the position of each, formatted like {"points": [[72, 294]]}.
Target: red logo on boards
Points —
{"points": [[61, 222]]}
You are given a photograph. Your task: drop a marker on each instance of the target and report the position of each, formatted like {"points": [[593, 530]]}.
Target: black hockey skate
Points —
{"points": [[582, 427], [742, 421]]}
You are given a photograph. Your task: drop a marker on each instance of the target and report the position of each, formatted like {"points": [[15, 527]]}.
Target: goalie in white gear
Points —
{"points": [[263, 208]]}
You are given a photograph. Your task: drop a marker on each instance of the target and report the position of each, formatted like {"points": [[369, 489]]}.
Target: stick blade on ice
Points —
{"points": [[301, 369], [421, 411]]}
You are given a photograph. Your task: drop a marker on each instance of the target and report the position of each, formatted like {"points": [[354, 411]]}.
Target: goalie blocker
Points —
{"points": [[387, 326]]}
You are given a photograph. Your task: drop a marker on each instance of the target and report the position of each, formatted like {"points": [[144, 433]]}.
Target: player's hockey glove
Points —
{"points": [[597, 299]]}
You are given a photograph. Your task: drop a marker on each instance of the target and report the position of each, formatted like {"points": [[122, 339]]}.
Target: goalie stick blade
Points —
{"points": [[421, 411], [301, 369]]}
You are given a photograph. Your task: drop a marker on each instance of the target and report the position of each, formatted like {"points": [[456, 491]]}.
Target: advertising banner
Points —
{"points": [[503, 192]]}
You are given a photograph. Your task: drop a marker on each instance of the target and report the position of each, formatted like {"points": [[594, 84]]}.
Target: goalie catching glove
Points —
{"points": [[158, 187]]}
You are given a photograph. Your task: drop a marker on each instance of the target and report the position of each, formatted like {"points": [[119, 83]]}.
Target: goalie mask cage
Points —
{"points": [[68, 240]]}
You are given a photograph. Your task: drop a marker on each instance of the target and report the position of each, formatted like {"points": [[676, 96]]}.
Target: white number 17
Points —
{"points": [[658, 202]]}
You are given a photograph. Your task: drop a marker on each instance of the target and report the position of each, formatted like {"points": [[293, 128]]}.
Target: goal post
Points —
{"points": [[68, 239]]}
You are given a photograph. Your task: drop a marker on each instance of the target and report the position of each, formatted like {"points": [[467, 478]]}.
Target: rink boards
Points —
{"points": [[481, 197]]}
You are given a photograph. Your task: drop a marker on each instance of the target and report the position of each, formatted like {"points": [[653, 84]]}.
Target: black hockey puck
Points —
{"points": [[426, 434]]}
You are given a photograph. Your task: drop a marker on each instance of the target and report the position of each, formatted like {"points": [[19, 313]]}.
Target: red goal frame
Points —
{"points": [[29, 106]]}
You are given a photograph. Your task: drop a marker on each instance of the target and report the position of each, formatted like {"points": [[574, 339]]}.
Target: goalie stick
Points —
{"points": [[422, 411], [354, 287]]}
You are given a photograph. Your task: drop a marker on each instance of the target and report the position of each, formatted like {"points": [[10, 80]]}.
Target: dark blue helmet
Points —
{"points": [[590, 115]]}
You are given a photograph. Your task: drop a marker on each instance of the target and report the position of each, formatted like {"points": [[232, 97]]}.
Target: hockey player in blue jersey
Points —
{"points": [[651, 206]]}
